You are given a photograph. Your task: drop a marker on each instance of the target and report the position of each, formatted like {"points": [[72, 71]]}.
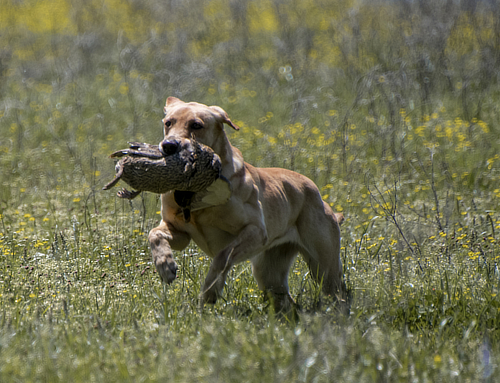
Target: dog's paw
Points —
{"points": [[211, 291], [208, 297], [167, 268]]}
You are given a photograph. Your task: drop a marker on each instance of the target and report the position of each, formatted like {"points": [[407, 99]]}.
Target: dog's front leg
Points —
{"points": [[246, 244], [162, 240]]}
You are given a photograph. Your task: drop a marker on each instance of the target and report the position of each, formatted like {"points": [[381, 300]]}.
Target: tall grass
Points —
{"points": [[389, 106]]}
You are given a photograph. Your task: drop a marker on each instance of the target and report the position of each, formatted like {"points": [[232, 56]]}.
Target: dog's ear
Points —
{"points": [[170, 101], [222, 116]]}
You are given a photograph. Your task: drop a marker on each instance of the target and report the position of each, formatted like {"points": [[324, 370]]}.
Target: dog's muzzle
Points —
{"points": [[169, 146]]}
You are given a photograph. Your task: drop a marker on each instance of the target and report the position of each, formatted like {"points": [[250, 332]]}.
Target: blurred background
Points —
{"points": [[390, 106]]}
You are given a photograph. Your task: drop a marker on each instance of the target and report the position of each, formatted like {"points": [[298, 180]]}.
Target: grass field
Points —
{"points": [[391, 107]]}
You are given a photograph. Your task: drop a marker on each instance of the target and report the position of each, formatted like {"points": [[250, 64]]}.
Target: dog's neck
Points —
{"points": [[231, 157]]}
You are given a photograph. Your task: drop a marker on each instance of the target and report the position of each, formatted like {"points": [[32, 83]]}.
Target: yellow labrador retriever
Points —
{"points": [[269, 217]]}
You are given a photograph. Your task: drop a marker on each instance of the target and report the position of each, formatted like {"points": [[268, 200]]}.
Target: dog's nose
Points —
{"points": [[169, 146]]}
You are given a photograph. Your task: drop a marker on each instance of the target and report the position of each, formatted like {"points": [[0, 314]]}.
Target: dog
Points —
{"points": [[270, 215]]}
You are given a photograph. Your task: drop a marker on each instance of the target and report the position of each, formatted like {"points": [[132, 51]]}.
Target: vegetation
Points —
{"points": [[391, 107]]}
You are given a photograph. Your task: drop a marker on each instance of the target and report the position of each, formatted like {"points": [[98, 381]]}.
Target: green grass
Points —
{"points": [[391, 108]]}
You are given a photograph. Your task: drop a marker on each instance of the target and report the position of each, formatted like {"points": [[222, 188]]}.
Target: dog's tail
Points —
{"points": [[339, 217]]}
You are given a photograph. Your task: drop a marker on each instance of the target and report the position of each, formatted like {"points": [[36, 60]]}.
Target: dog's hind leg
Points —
{"points": [[271, 269], [321, 251]]}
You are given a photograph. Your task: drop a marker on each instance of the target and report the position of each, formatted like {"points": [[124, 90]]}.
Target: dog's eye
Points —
{"points": [[196, 126], [168, 123]]}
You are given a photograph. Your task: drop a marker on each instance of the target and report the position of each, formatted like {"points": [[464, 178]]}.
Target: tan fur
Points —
{"points": [[273, 214]]}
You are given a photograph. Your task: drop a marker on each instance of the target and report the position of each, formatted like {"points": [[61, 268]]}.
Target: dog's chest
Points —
{"points": [[214, 228], [211, 238]]}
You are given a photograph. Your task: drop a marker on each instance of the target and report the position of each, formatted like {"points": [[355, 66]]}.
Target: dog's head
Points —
{"points": [[185, 121]]}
